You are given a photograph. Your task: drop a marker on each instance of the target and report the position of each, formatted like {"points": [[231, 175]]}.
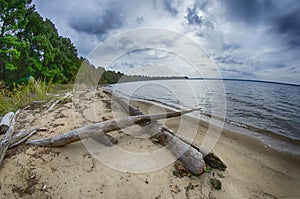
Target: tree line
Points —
{"points": [[31, 46]]}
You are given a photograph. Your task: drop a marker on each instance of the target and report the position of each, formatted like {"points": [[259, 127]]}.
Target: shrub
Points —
{"points": [[22, 95]]}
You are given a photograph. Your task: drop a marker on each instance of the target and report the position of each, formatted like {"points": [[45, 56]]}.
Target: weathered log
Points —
{"points": [[18, 136], [189, 156], [6, 122], [21, 137], [5, 140], [100, 129]]}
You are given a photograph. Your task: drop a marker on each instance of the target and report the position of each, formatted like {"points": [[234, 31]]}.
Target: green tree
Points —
{"points": [[12, 23], [31, 46]]}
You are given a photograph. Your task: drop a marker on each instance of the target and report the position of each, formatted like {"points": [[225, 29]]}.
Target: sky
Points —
{"points": [[257, 39]]}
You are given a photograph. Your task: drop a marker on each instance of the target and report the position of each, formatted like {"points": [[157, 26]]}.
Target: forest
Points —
{"points": [[30, 46]]}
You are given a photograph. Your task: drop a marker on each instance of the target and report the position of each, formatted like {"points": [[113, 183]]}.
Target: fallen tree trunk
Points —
{"points": [[6, 122], [5, 140], [21, 137], [189, 156], [100, 129]]}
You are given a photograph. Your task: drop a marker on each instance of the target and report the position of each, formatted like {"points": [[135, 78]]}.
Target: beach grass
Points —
{"points": [[22, 95]]}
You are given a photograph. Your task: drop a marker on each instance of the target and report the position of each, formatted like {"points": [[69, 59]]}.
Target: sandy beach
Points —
{"points": [[253, 169]]}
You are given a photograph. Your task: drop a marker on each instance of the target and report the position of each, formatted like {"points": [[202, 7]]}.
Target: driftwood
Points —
{"points": [[6, 139], [6, 122], [189, 156], [105, 139], [21, 137], [100, 129], [69, 94]]}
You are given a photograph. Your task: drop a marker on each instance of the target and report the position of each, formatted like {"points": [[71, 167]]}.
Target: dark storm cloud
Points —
{"points": [[250, 11], [170, 7], [98, 22], [282, 17], [228, 60], [192, 15], [288, 26], [258, 36], [195, 16]]}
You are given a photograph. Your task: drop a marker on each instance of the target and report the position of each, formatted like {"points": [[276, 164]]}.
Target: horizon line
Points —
{"points": [[236, 79]]}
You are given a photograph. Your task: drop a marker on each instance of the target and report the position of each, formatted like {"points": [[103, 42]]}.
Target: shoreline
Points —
{"points": [[255, 118], [251, 164], [253, 171], [277, 142]]}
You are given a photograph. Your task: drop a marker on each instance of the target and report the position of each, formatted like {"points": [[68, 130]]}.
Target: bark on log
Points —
{"points": [[100, 129], [189, 156], [6, 122], [18, 136], [21, 137], [5, 141]]}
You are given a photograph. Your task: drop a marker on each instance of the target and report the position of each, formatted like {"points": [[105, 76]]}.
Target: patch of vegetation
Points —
{"points": [[155, 141], [221, 175], [207, 169], [22, 95], [216, 184]]}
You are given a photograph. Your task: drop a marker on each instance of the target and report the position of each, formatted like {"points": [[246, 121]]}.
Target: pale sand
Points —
{"points": [[254, 171]]}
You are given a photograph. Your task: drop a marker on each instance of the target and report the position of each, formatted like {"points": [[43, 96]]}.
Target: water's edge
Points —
{"points": [[269, 139], [272, 140]]}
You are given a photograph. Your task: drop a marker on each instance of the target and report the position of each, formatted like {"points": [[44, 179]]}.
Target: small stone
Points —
{"points": [[175, 189]]}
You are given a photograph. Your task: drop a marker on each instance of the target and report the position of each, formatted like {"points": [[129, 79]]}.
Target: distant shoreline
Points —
{"points": [[243, 80], [202, 78]]}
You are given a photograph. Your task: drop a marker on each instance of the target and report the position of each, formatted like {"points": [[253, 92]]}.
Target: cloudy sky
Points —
{"points": [[257, 39]]}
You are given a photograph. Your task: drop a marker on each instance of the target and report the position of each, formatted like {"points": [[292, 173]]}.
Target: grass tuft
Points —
{"points": [[23, 94]]}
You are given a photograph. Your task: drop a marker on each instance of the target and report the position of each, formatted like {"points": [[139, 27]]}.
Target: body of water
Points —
{"points": [[262, 107]]}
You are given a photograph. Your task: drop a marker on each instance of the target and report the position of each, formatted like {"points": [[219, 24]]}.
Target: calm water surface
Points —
{"points": [[258, 106]]}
